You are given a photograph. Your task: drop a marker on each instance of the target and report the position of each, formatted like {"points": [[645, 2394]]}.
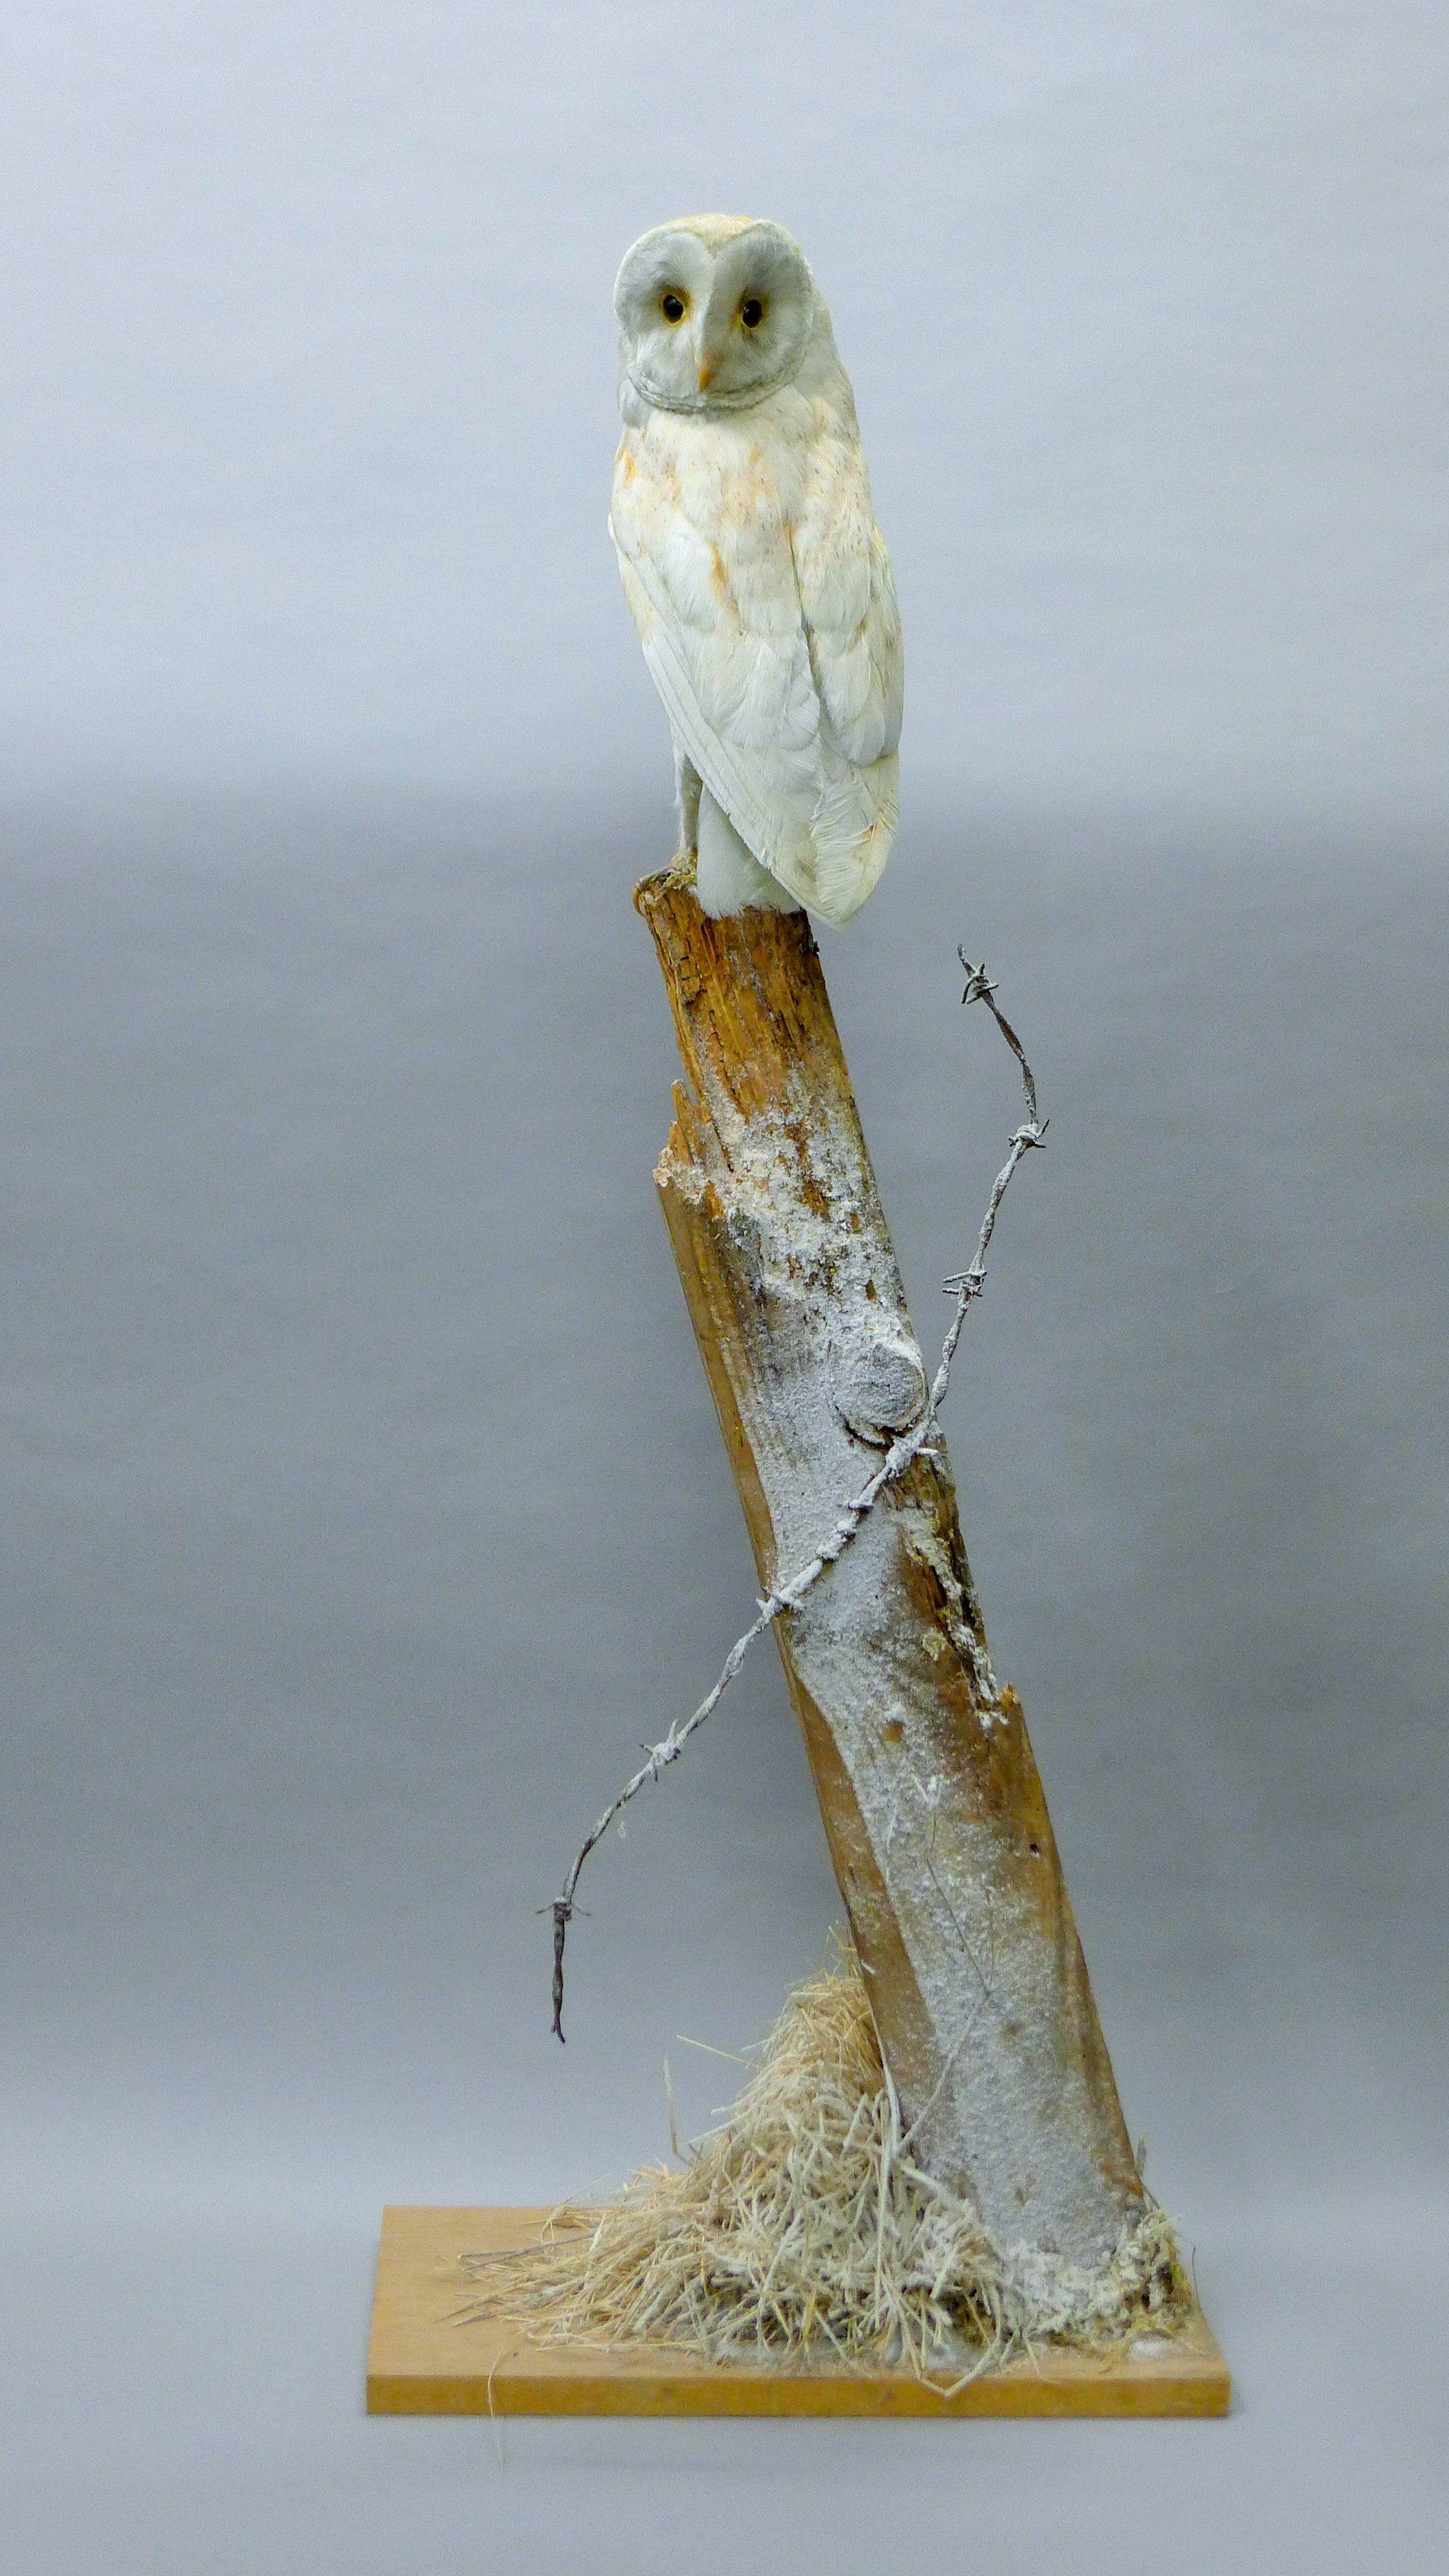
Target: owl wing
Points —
{"points": [[848, 604], [774, 707]]}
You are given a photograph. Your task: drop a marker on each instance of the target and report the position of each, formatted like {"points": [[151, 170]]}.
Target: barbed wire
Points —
{"points": [[966, 1286]]}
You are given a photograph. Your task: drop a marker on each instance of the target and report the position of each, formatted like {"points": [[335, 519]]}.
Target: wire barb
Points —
{"points": [[965, 1286]]}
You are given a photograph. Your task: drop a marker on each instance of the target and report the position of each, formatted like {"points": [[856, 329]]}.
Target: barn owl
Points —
{"points": [[755, 573]]}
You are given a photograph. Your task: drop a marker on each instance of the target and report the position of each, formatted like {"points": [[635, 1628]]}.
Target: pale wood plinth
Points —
{"points": [[422, 2362]]}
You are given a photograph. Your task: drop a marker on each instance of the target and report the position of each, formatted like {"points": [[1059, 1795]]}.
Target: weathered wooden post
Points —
{"points": [[933, 1809], [970, 2236]]}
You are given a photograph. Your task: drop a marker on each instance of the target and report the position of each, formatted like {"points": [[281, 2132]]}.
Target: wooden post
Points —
{"points": [[933, 1809]]}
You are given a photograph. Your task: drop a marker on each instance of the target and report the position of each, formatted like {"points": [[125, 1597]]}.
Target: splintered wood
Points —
{"points": [[932, 1805]]}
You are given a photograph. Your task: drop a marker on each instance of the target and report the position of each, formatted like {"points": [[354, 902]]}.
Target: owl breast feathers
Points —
{"points": [[755, 573]]}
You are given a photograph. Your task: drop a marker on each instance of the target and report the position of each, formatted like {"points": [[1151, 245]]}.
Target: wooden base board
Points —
{"points": [[422, 2361]]}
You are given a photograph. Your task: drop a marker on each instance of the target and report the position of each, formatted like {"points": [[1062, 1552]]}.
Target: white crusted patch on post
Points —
{"points": [[878, 1382]]}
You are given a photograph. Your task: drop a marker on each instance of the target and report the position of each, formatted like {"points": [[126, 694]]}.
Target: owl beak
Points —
{"points": [[707, 367]]}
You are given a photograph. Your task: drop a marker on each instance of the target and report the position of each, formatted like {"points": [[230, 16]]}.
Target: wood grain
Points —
{"points": [[931, 1801], [422, 2362]]}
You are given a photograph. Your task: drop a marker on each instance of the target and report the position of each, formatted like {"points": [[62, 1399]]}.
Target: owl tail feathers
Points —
{"points": [[852, 828]]}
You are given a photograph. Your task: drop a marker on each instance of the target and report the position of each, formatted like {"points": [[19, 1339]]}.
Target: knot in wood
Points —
{"points": [[878, 1383]]}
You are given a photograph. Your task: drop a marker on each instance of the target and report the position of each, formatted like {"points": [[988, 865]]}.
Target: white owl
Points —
{"points": [[754, 570]]}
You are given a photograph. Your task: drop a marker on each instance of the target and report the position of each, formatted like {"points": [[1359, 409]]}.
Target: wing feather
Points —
{"points": [[762, 595]]}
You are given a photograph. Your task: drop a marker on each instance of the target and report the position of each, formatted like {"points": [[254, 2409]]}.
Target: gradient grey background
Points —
{"points": [[364, 1504]]}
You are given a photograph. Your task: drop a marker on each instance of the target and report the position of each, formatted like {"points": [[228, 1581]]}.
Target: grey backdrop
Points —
{"points": [[364, 1506]]}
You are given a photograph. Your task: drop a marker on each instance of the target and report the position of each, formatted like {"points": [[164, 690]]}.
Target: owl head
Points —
{"points": [[715, 312]]}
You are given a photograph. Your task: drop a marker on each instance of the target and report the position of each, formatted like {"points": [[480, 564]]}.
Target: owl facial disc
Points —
{"points": [[714, 314]]}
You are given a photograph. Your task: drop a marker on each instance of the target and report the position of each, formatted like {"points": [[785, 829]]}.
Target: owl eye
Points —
{"points": [[671, 306], [752, 312]]}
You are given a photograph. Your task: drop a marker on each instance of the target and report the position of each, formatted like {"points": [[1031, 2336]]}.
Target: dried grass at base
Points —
{"points": [[802, 2228]]}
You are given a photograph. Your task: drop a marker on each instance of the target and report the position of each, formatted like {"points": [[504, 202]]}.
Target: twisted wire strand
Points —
{"points": [[966, 1286]]}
